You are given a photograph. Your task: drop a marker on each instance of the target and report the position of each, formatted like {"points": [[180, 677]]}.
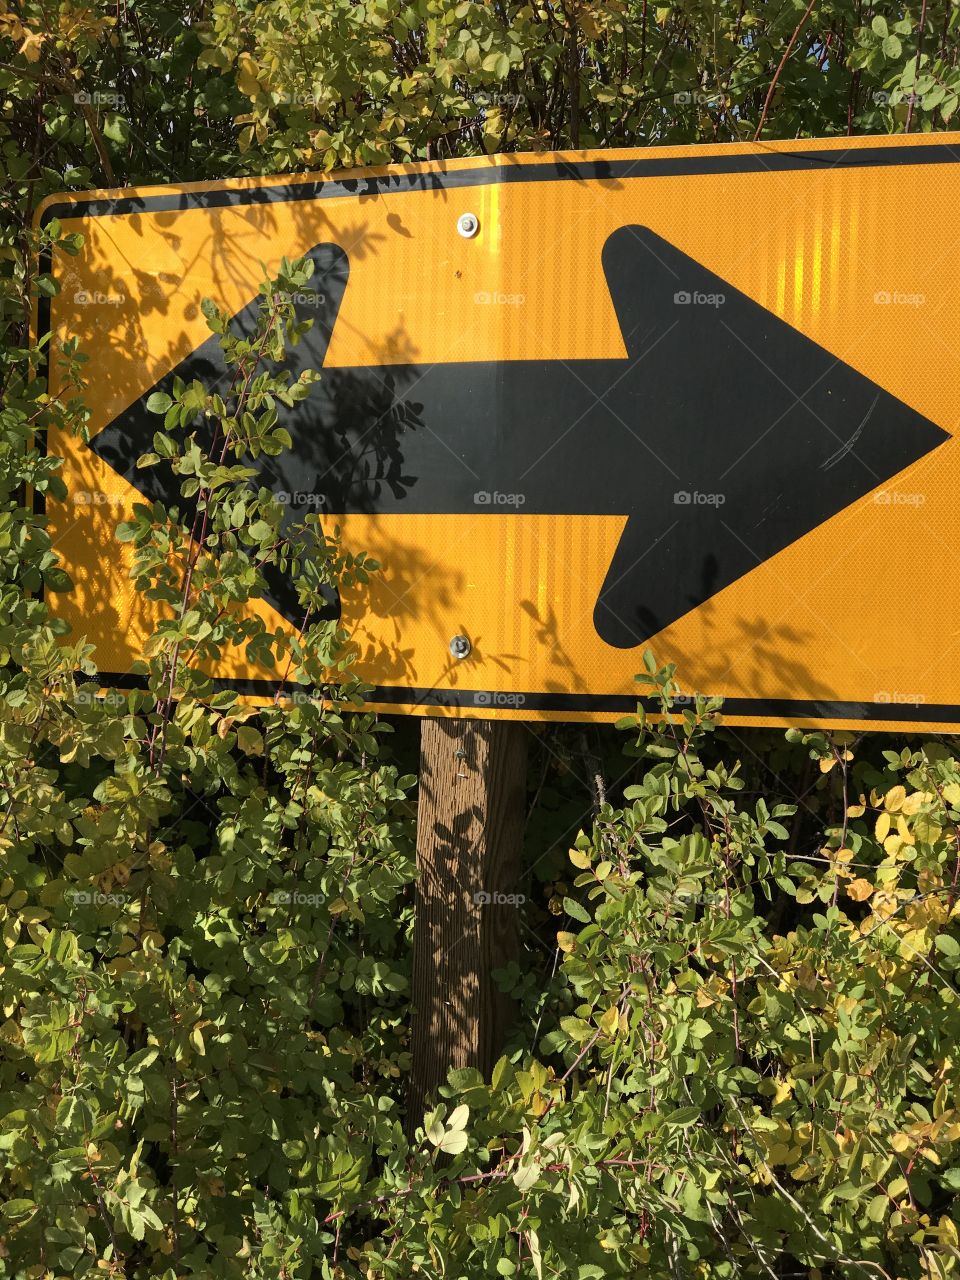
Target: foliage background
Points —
{"points": [[736, 1051]]}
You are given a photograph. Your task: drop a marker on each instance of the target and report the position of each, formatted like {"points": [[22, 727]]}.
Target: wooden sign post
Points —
{"points": [[470, 823]]}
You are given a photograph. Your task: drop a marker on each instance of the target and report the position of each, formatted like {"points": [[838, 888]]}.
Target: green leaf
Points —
{"points": [[877, 1208], [683, 1116], [459, 1117], [158, 402], [56, 579], [498, 63], [574, 909], [453, 1142], [18, 1208], [74, 1114], [577, 1028]]}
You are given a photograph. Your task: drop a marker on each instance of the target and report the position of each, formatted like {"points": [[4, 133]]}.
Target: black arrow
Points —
{"points": [[724, 435]]}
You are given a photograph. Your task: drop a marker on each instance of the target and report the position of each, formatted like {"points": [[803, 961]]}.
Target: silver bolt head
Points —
{"points": [[460, 647], [468, 224]]}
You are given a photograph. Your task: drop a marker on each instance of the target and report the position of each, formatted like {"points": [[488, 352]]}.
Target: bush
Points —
{"points": [[737, 1055]]}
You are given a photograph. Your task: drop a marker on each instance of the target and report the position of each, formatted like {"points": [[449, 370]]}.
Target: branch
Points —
{"points": [[783, 62]]}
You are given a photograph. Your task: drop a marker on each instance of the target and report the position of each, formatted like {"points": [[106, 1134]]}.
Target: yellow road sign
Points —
{"points": [[701, 399]]}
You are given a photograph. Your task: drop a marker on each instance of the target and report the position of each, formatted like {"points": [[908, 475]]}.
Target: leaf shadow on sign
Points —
{"points": [[548, 639], [97, 304], [758, 655], [395, 595], [346, 440], [715, 648]]}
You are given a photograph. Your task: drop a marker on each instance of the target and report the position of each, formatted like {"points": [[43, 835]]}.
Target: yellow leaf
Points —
{"points": [[905, 834], [31, 46], [580, 859], [894, 798], [883, 826], [860, 890], [884, 905], [249, 740], [928, 880], [827, 763], [196, 1039], [930, 910], [11, 27], [951, 793], [610, 1021], [784, 1090], [927, 829], [247, 73], [565, 941], [857, 810], [915, 944], [913, 802], [901, 1142]]}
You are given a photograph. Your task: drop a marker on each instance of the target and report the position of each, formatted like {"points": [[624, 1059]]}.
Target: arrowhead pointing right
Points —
{"points": [[761, 435]]}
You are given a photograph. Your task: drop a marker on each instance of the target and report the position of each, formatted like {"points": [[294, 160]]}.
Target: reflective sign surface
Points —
{"points": [[697, 399]]}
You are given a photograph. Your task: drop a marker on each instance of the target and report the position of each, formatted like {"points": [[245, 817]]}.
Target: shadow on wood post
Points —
{"points": [[470, 821]]}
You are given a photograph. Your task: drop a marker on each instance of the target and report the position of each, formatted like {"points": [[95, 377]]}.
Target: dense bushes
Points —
{"points": [[736, 1050]]}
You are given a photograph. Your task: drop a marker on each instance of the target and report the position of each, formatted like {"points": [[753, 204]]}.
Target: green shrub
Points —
{"points": [[736, 1058]]}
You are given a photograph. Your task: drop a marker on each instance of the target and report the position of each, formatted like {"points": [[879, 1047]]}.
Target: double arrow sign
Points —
{"points": [[722, 437]]}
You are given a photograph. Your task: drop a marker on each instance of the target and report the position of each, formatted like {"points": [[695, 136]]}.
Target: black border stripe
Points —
{"points": [[403, 696], [562, 171]]}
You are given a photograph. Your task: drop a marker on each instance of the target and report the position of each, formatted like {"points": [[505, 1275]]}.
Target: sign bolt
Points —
{"points": [[460, 647], [468, 224]]}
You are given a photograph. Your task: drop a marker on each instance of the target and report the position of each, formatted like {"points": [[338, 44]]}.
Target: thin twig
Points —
{"points": [[783, 62]]}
